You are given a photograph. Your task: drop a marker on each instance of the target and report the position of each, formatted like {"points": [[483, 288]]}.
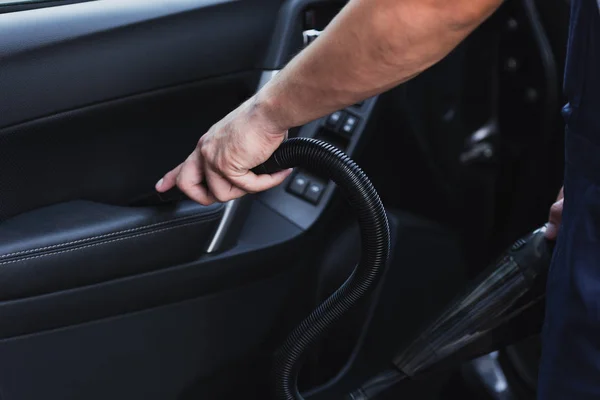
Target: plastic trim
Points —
{"points": [[232, 206]]}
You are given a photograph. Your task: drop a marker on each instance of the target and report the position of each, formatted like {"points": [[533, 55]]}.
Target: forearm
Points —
{"points": [[370, 47]]}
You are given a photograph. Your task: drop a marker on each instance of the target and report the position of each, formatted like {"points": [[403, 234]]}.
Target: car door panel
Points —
{"points": [[98, 51], [106, 290], [80, 243], [110, 153], [152, 335], [99, 99], [265, 235], [159, 353]]}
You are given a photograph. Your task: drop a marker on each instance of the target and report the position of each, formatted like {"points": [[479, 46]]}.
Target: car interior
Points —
{"points": [[109, 290]]}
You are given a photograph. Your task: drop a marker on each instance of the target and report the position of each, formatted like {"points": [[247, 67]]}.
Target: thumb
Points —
{"points": [[252, 183]]}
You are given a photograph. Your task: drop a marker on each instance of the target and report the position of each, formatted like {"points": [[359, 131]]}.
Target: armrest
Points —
{"points": [[80, 243]]}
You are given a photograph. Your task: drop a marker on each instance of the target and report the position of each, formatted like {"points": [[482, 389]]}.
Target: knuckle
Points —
{"points": [[221, 164], [206, 152], [216, 193]]}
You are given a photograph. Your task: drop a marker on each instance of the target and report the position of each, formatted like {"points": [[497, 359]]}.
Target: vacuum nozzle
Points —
{"points": [[489, 303]]}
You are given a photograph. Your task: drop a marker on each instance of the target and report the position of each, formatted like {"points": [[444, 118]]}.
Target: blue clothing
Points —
{"points": [[570, 366]]}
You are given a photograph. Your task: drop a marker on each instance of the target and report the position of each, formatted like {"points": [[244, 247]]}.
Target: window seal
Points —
{"points": [[35, 4]]}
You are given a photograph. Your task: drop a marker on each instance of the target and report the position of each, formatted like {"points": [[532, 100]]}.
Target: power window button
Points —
{"points": [[349, 125], [334, 119], [298, 184], [314, 191]]}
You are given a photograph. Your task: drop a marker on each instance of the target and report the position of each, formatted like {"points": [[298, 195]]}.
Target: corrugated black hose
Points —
{"points": [[323, 158]]}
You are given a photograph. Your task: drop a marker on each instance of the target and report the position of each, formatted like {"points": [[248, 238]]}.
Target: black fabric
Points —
{"points": [[79, 243]]}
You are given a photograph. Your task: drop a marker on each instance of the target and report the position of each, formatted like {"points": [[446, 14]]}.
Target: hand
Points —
{"points": [[555, 217], [218, 170]]}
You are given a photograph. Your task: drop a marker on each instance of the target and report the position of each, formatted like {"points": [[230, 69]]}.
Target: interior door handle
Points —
{"points": [[310, 36]]}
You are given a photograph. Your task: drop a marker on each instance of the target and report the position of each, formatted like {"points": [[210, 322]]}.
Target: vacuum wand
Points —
{"points": [[469, 327]]}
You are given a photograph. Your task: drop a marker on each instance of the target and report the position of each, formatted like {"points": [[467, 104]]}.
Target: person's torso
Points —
{"points": [[582, 70]]}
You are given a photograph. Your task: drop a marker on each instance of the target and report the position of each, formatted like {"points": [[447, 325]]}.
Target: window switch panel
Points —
{"points": [[298, 184]]}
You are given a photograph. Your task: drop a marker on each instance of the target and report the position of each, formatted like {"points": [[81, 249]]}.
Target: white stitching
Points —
{"points": [[106, 235], [98, 244], [54, 246]]}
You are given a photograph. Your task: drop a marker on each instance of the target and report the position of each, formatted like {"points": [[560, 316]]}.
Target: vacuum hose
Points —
{"points": [[323, 158]]}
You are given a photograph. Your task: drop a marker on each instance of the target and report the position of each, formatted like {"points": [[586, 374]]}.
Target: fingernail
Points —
{"points": [[159, 183]]}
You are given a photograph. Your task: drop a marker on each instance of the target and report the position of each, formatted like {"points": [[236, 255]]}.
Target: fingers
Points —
{"points": [[221, 188], [222, 161], [168, 181], [188, 177], [252, 183], [554, 220], [189, 181]]}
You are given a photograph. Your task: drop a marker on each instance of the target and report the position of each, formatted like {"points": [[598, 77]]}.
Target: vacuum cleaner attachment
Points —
{"points": [[321, 157], [480, 321], [487, 305]]}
